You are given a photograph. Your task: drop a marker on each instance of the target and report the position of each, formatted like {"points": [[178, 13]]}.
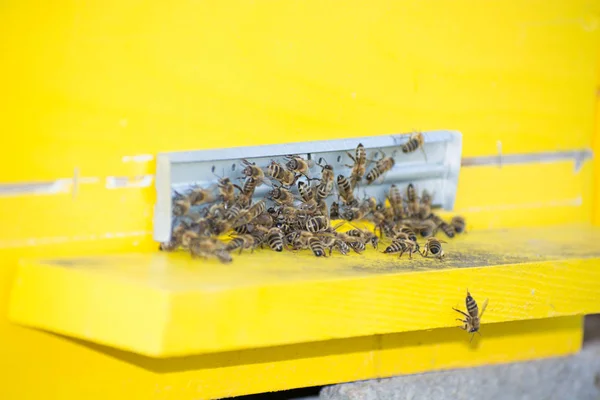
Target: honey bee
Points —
{"points": [[434, 246], [317, 224], [378, 218], [233, 212], [443, 225], [406, 230], [334, 211], [472, 320], [299, 239], [458, 223], [259, 233], [402, 246], [205, 247], [360, 165], [227, 190], [181, 207], [366, 235], [427, 228], [253, 171], [242, 242], [381, 167], [353, 213], [329, 241], [275, 239], [298, 165], [413, 202], [306, 192], [370, 204], [322, 208], [415, 142], [316, 246], [395, 199], [425, 206], [282, 196], [265, 220], [357, 246], [281, 174], [245, 197], [199, 196], [326, 184], [244, 229], [176, 238], [345, 191], [248, 215]]}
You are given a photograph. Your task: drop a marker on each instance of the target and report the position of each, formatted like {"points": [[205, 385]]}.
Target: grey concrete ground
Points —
{"points": [[575, 377]]}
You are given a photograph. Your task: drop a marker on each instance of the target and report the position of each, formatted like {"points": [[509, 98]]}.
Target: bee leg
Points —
{"points": [[241, 248], [462, 312], [424, 154], [402, 252], [351, 157]]}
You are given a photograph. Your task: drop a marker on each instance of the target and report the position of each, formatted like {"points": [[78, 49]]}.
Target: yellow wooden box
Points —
{"points": [[94, 91]]}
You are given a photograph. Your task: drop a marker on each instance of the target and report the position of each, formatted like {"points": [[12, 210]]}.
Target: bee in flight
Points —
{"points": [[472, 320]]}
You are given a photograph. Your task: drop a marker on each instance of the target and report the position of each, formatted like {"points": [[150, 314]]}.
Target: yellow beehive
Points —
{"points": [[94, 91]]}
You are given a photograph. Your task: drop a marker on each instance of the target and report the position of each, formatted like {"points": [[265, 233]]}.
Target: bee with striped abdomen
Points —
{"points": [[408, 232], [472, 320], [316, 246], [244, 198], [412, 200], [381, 167], [415, 142], [298, 165], [366, 235], [458, 223], [434, 246], [275, 239], [281, 174], [360, 165], [345, 191], [307, 194], [242, 242], [443, 225], [334, 211], [248, 215], [427, 228], [396, 203], [326, 182], [401, 246], [282, 196], [253, 171], [317, 224]]}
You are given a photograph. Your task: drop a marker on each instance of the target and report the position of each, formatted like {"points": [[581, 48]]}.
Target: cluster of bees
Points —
{"points": [[294, 215]]}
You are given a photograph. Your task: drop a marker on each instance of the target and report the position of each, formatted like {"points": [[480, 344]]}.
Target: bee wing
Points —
{"points": [[483, 306]]}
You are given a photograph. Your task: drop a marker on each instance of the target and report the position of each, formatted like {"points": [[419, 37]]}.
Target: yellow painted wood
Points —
{"points": [[93, 82], [70, 369], [596, 147], [168, 304], [90, 84]]}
